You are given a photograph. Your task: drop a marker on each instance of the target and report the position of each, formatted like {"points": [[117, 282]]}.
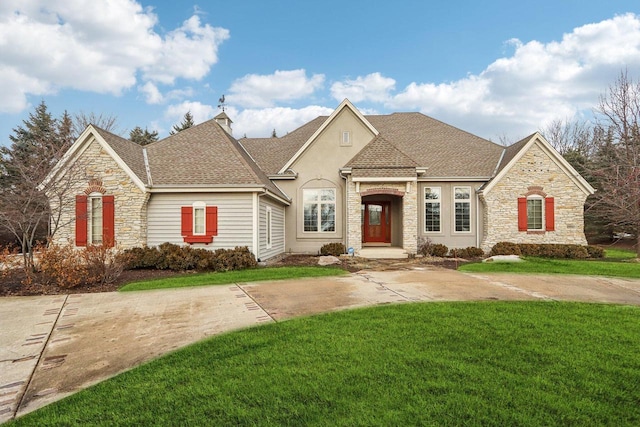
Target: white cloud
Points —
{"points": [[258, 91], [536, 84], [200, 112], [95, 46], [256, 123], [151, 93], [372, 87]]}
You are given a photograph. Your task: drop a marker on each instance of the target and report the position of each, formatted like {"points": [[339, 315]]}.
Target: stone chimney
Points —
{"points": [[223, 120]]}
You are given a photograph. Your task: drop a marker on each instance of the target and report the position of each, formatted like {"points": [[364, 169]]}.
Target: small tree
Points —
{"points": [[36, 147], [143, 137], [81, 120], [186, 123]]}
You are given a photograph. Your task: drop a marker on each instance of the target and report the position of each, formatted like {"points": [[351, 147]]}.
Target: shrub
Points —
{"points": [[103, 264], [595, 252], [547, 250], [505, 248], [470, 252], [168, 256], [10, 259], [68, 267], [427, 248], [335, 249]]}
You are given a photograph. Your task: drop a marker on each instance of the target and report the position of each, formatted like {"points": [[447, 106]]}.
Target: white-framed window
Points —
{"points": [[346, 138], [199, 222], [95, 219], [535, 213], [462, 209], [319, 210], [432, 205], [268, 227]]}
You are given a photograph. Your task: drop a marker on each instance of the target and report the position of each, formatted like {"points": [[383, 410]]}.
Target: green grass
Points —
{"points": [[240, 276], [482, 363], [617, 263]]}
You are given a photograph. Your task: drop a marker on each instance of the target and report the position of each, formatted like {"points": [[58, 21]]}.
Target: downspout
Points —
{"points": [[256, 224], [477, 220]]}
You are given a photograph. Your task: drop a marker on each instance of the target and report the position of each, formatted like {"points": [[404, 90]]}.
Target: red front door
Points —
{"points": [[376, 222]]}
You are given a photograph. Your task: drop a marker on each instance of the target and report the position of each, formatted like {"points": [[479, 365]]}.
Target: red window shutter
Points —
{"points": [[81, 220], [212, 221], [522, 214], [549, 214], [187, 221], [108, 221]]}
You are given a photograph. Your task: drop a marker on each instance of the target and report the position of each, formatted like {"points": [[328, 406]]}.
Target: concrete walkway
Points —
{"points": [[52, 346]]}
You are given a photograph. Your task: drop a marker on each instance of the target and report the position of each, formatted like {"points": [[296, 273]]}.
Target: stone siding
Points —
{"points": [[534, 169], [409, 212], [103, 174]]}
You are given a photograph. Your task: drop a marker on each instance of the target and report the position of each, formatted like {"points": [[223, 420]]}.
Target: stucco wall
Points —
{"points": [[534, 168], [319, 167], [130, 203]]}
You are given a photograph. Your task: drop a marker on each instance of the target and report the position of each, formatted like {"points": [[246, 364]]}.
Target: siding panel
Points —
{"points": [[277, 232], [234, 218]]}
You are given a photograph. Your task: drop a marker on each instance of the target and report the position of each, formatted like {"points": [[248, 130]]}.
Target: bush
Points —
{"points": [[505, 248], [335, 249], [68, 267], [470, 252], [547, 250], [427, 248], [595, 252], [168, 256]]}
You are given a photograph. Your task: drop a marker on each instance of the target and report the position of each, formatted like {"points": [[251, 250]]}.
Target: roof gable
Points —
{"points": [[514, 153], [128, 155], [380, 153], [346, 104]]}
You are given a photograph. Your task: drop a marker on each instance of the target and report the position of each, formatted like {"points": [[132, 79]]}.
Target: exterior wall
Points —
{"points": [[409, 214], [535, 168], [277, 229], [319, 167], [235, 218], [447, 235], [130, 203]]}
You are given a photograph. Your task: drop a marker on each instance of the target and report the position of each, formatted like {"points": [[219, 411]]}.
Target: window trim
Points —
{"points": [[542, 213], [467, 201], [90, 218], [319, 204], [269, 227], [431, 201], [199, 206]]}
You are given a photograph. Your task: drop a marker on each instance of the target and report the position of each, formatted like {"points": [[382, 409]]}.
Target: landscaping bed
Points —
{"points": [[14, 283]]}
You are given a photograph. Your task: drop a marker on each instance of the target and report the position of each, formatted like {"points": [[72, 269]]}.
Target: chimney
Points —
{"points": [[223, 120]]}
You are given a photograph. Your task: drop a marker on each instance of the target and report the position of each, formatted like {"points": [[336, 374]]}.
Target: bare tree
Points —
{"points": [[81, 120], [568, 136], [615, 164]]}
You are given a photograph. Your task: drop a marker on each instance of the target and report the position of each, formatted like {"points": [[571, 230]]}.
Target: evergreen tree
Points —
{"points": [[142, 137], [186, 123]]}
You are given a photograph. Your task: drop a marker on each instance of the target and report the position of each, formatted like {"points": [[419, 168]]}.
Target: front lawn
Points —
{"points": [[472, 363], [239, 276], [617, 263]]}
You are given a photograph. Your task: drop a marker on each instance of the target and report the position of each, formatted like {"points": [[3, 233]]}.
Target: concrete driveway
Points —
{"points": [[52, 346]]}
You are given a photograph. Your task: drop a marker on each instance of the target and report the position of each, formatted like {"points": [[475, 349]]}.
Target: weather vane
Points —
{"points": [[221, 103]]}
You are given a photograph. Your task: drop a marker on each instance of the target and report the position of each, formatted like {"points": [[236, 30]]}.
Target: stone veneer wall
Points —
{"points": [[130, 203], [535, 168], [409, 213]]}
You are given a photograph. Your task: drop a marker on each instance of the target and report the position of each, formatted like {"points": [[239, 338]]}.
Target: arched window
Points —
{"points": [[536, 213]]}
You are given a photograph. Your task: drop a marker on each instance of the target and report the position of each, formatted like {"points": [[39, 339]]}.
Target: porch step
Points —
{"points": [[383, 253]]}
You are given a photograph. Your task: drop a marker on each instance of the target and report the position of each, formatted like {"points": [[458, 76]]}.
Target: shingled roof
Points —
{"points": [[444, 150], [204, 156]]}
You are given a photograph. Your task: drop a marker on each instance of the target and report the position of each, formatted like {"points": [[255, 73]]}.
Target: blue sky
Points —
{"points": [[499, 69]]}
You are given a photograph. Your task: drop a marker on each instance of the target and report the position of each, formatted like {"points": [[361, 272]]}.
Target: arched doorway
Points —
{"points": [[381, 220]]}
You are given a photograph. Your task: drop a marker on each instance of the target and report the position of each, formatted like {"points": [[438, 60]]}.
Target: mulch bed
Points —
{"points": [[13, 282]]}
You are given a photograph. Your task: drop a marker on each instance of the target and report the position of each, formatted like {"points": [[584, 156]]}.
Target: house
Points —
{"points": [[374, 180]]}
